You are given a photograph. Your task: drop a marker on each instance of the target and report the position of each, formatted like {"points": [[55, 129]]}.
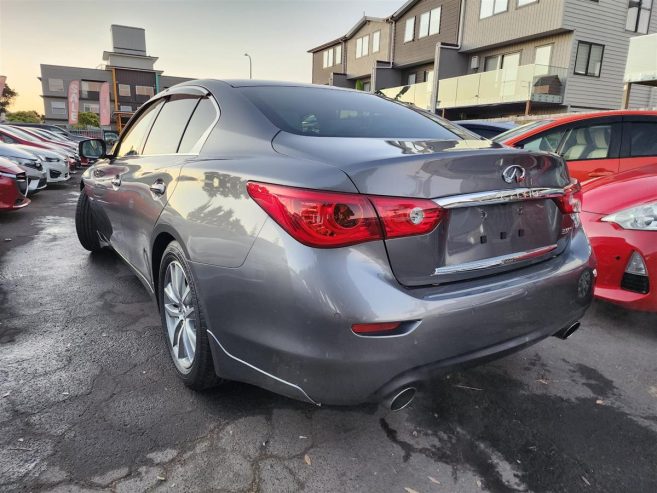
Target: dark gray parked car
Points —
{"points": [[331, 245]]}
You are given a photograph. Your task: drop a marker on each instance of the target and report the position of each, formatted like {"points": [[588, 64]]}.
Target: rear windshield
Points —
{"points": [[323, 112], [514, 132]]}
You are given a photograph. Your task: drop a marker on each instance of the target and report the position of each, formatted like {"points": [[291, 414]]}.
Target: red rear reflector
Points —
{"points": [[316, 218], [407, 217], [375, 328], [333, 219]]}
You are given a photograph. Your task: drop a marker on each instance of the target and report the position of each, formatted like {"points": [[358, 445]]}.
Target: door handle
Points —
{"points": [[116, 181], [597, 174], [158, 188]]}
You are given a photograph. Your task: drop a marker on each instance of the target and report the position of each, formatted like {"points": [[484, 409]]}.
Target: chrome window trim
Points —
{"points": [[500, 261], [493, 197]]}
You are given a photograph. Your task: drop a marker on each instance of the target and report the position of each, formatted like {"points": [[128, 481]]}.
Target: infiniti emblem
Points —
{"points": [[514, 173]]}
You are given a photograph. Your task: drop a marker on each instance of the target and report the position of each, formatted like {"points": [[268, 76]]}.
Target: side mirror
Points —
{"points": [[92, 149]]}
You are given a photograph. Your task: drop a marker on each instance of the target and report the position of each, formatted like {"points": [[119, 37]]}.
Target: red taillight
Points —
{"points": [[319, 219], [571, 201], [333, 219], [407, 217]]}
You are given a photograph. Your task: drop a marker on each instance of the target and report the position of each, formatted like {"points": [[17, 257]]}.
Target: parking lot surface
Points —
{"points": [[89, 399]]}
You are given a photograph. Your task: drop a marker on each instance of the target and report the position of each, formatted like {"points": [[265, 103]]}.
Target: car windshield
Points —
{"points": [[514, 132], [320, 112], [15, 132]]}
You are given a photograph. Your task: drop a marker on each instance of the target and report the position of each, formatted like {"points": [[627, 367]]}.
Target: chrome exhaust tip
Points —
{"points": [[566, 332], [401, 399]]}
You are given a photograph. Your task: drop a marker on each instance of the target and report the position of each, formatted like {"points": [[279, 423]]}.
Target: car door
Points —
{"points": [[150, 178], [591, 147], [106, 179], [639, 146]]}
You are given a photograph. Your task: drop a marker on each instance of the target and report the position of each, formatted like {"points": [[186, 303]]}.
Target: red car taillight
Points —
{"points": [[571, 201], [333, 219]]}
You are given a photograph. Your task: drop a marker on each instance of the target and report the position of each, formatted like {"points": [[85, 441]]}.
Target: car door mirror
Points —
{"points": [[92, 149]]}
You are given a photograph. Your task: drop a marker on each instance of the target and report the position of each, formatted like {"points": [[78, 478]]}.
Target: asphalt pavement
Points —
{"points": [[89, 399]]}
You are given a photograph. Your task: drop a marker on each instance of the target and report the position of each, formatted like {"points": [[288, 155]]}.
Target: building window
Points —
{"points": [[359, 47], [338, 54], [56, 85], [638, 16], [376, 41], [363, 46], [91, 107], [124, 90], [367, 86], [328, 57], [125, 107], [428, 76], [522, 3], [366, 45], [491, 63], [88, 86], [409, 31], [58, 107], [429, 23], [412, 78], [543, 55], [588, 60], [144, 91], [492, 7]]}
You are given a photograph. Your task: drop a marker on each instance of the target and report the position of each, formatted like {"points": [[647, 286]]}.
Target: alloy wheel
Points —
{"points": [[180, 316]]}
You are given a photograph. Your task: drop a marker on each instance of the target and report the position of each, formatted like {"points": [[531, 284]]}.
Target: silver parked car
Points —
{"points": [[331, 245], [28, 162]]}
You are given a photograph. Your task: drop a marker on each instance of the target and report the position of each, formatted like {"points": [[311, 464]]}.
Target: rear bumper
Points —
{"points": [[283, 319], [613, 247]]}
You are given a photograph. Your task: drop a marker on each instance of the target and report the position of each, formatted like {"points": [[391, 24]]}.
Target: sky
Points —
{"points": [[192, 38]]}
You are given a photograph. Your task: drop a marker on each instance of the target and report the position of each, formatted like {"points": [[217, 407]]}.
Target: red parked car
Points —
{"points": [[619, 214], [13, 186], [593, 144]]}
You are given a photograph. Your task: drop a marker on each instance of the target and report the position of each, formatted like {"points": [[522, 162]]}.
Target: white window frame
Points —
{"points": [[409, 25], [359, 47], [489, 8], [436, 13], [522, 3], [376, 41], [58, 86], [338, 54], [330, 57], [366, 45], [325, 59], [58, 108], [423, 30]]}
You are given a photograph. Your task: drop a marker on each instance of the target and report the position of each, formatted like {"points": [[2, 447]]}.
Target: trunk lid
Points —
{"points": [[493, 224]]}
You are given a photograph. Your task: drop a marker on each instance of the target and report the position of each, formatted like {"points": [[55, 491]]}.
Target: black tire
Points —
{"points": [[85, 225], [201, 374]]}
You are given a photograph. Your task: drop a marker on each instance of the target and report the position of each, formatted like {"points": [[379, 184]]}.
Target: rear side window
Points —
{"points": [[204, 115], [548, 141], [644, 139], [132, 142], [322, 112], [169, 126], [587, 143]]}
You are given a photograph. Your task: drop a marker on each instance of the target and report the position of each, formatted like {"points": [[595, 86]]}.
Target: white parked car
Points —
{"points": [[54, 164]]}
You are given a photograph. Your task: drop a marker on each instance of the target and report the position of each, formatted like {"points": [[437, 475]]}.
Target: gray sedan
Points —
{"points": [[331, 245]]}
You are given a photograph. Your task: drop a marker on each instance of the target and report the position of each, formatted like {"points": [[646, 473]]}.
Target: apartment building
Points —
{"points": [[127, 68], [508, 57]]}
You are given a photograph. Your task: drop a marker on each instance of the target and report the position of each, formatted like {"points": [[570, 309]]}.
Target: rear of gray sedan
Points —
{"points": [[374, 247]]}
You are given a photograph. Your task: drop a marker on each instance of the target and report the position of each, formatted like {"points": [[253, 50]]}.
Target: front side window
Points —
{"points": [[587, 143], [588, 60], [638, 16], [124, 90], [169, 125], [56, 85], [376, 41], [492, 7], [643, 141], [132, 142], [58, 107], [548, 141], [204, 115], [409, 30], [336, 113]]}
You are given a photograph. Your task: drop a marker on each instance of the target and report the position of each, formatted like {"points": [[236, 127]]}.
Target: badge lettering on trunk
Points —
{"points": [[514, 173]]}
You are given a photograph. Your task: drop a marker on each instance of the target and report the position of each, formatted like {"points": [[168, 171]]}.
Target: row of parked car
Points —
{"points": [[614, 155], [33, 156]]}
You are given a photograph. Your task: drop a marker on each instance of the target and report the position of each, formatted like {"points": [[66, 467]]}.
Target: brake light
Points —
{"points": [[571, 201], [407, 217], [319, 219], [334, 219]]}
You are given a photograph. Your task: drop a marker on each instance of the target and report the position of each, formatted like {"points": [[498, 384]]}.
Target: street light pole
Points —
{"points": [[250, 66]]}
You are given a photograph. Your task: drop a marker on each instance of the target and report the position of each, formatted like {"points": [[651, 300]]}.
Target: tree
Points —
{"points": [[87, 118], [25, 116], [7, 97], [360, 86]]}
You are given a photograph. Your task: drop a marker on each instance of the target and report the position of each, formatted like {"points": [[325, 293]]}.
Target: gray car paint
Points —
{"points": [[280, 313]]}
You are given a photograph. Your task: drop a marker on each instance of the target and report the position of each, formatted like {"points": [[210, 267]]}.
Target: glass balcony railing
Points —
{"points": [[642, 59], [417, 94], [540, 83]]}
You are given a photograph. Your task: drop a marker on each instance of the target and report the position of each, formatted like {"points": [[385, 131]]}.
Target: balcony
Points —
{"points": [[641, 65], [535, 83], [416, 94]]}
